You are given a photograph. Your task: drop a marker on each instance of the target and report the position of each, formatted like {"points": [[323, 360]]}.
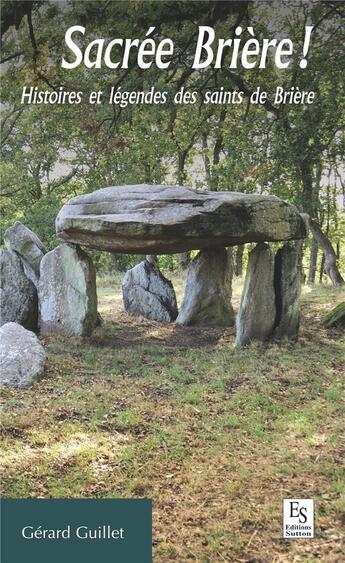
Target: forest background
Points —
{"points": [[50, 153]]}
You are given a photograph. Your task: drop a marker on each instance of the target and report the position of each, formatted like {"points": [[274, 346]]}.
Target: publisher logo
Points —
{"points": [[298, 518]]}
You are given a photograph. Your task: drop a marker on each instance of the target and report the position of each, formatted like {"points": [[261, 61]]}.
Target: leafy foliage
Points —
{"points": [[51, 152]]}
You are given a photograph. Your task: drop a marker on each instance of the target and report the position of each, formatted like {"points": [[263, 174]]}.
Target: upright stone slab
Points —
{"points": [[148, 293], [336, 317], [287, 281], [22, 356], [256, 316], [29, 248], [207, 298], [67, 292], [18, 295]]}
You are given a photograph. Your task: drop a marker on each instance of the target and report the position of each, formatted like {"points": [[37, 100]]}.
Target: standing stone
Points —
{"points": [[207, 298], [148, 293], [67, 292], [336, 317], [18, 295], [22, 356], [287, 281], [256, 316], [29, 248]]}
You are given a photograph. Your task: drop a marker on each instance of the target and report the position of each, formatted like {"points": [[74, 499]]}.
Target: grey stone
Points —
{"points": [[148, 293], [18, 295], [287, 281], [145, 219], [207, 298], [336, 317], [67, 292], [256, 316], [22, 356], [29, 248]]}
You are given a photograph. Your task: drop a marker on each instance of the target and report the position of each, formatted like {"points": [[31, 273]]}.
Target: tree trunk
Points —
{"points": [[113, 260], [331, 267], [307, 194], [217, 149], [218, 145], [181, 155], [239, 261], [309, 207], [313, 261], [184, 257], [322, 267], [207, 164], [184, 260]]}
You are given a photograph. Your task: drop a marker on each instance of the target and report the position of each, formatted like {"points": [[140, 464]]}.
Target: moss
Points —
{"points": [[336, 317]]}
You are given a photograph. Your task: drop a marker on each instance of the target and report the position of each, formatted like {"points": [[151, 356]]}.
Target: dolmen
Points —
{"points": [[159, 219], [55, 291]]}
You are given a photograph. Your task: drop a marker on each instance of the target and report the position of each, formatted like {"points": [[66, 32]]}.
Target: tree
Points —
{"points": [[284, 149]]}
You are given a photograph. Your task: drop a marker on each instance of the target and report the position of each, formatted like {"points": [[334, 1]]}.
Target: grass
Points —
{"points": [[216, 436]]}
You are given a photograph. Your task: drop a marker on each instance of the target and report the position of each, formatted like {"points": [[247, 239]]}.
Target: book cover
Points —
{"points": [[172, 281]]}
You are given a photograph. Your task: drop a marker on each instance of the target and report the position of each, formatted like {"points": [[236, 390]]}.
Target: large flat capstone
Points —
{"points": [[147, 219]]}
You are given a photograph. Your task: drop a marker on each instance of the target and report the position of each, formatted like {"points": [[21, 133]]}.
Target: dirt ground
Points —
{"points": [[216, 436]]}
